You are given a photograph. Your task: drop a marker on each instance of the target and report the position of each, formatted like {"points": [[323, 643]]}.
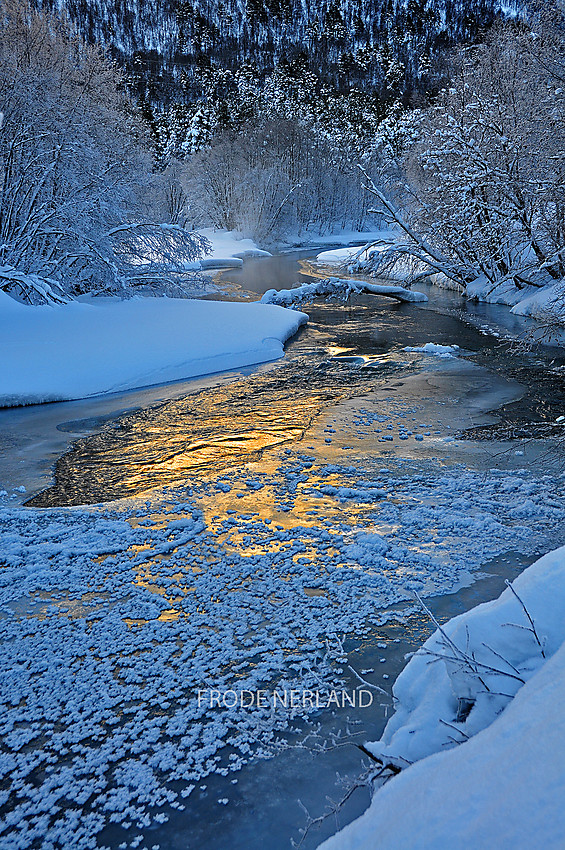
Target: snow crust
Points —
{"points": [[75, 350], [505, 787], [434, 348]]}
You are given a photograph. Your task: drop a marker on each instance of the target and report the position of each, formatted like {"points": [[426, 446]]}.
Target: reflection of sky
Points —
{"points": [[208, 430]]}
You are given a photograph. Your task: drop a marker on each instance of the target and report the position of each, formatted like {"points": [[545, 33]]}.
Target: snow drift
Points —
{"points": [[505, 787], [75, 350]]}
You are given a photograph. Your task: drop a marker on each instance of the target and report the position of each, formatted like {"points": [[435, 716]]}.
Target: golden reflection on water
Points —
{"points": [[255, 506], [260, 506], [217, 428], [229, 514]]}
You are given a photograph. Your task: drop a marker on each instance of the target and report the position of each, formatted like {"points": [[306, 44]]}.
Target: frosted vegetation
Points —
{"points": [[351, 39], [475, 183], [471, 180], [80, 209], [100, 195]]}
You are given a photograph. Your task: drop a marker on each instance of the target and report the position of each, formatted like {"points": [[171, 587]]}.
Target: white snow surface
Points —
{"points": [[540, 302], [505, 787], [346, 237], [356, 258], [343, 256], [333, 287], [75, 350], [229, 244], [435, 349]]}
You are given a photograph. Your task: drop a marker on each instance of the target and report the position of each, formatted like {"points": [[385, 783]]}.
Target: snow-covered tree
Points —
{"points": [[476, 182], [199, 132], [75, 180]]}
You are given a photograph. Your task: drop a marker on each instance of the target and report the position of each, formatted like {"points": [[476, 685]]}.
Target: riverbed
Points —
{"points": [[253, 530]]}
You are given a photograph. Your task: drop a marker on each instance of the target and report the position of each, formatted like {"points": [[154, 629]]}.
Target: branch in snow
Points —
{"points": [[334, 287], [31, 288]]}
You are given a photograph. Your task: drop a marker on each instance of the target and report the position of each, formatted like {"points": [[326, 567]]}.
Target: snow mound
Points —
{"points": [[435, 349], [344, 256], [546, 303], [227, 263], [505, 787], [543, 303], [229, 249], [75, 350]]}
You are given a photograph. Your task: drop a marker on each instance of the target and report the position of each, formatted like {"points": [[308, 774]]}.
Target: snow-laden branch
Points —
{"points": [[31, 288], [417, 247], [334, 287]]}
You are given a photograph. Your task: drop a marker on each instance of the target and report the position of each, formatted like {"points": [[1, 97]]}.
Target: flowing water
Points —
{"points": [[296, 468]]}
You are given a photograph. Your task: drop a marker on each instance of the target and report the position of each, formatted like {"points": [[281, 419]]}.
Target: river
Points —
{"points": [[272, 509]]}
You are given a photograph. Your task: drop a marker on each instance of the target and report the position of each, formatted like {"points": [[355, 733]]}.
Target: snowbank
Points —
{"points": [[344, 256], [542, 303], [545, 302], [74, 350], [359, 259], [229, 249], [505, 787], [313, 239]]}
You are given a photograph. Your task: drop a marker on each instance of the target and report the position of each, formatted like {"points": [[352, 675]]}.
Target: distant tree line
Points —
{"points": [[343, 41]]}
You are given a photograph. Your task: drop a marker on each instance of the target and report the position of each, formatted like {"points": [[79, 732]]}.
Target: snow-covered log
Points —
{"points": [[335, 287]]}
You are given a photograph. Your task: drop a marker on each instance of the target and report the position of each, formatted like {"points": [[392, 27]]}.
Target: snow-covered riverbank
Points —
{"points": [[219, 574], [497, 673], [75, 350], [546, 303]]}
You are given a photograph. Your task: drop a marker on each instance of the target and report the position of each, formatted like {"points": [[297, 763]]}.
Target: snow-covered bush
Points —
{"points": [[75, 179], [276, 177]]}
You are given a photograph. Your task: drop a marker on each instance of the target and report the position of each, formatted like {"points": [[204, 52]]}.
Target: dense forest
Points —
{"points": [[347, 43]]}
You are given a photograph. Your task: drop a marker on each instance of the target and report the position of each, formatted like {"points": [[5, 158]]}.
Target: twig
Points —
{"points": [[459, 731], [527, 613]]}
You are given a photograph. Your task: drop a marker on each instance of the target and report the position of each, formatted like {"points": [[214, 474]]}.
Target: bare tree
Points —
{"points": [[276, 177], [74, 176], [477, 183]]}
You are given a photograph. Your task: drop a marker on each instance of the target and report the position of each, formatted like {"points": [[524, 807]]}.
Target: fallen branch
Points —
{"points": [[335, 287]]}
